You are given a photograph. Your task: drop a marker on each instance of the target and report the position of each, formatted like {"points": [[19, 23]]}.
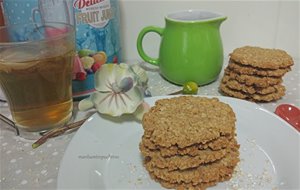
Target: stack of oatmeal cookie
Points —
{"points": [[189, 142], [255, 74]]}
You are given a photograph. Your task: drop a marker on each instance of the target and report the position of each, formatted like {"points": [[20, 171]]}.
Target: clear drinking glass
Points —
{"points": [[36, 63]]}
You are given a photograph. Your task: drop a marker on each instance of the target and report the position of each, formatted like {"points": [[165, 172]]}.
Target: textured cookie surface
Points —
{"points": [[188, 186], [251, 80], [235, 85], [182, 161], [185, 161], [280, 92], [202, 174], [249, 70], [262, 57], [193, 150], [187, 120]]}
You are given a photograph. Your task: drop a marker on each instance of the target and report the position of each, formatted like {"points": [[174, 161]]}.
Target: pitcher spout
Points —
{"points": [[221, 19]]}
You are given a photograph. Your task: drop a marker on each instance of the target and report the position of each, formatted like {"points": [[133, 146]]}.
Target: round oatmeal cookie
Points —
{"points": [[193, 150], [262, 57], [183, 162], [186, 161], [187, 186], [280, 92], [235, 85], [251, 80], [187, 120], [202, 174], [249, 70]]}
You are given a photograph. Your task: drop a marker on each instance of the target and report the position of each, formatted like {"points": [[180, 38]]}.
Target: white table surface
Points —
{"points": [[25, 168]]}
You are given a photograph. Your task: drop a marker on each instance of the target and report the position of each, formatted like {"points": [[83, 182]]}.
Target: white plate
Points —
{"points": [[104, 153]]}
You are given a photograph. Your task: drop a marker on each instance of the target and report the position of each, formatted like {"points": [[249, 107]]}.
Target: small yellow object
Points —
{"points": [[190, 88]]}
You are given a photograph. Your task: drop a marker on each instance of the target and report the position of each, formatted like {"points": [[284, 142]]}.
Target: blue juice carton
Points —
{"points": [[97, 24]]}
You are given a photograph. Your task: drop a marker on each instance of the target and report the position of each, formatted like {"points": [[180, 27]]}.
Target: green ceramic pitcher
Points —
{"points": [[190, 49]]}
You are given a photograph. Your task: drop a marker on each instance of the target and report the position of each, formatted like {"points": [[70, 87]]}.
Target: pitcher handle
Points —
{"points": [[144, 56]]}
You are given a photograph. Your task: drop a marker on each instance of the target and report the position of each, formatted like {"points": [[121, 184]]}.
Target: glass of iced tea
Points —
{"points": [[36, 63]]}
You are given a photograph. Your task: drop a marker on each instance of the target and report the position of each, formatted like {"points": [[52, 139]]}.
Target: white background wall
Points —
{"points": [[270, 24]]}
